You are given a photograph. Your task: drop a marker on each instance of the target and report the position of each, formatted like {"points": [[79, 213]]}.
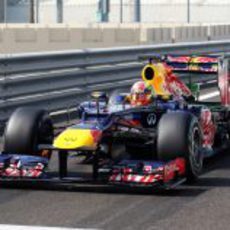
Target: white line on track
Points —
{"points": [[21, 227], [209, 95]]}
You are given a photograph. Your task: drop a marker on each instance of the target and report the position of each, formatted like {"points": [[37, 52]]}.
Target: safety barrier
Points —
{"points": [[57, 80]]}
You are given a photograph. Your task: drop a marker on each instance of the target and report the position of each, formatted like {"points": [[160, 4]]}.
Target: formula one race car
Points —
{"points": [[163, 142]]}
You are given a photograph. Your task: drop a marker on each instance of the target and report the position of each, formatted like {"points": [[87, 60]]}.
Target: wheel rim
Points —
{"points": [[195, 156]]}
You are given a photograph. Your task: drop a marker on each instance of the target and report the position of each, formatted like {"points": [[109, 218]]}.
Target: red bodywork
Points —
{"points": [[224, 81], [208, 128], [175, 86]]}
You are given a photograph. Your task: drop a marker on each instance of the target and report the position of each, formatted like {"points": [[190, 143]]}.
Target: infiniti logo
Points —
{"points": [[151, 119]]}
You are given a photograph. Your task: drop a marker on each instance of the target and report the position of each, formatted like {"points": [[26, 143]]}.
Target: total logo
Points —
{"points": [[151, 119]]}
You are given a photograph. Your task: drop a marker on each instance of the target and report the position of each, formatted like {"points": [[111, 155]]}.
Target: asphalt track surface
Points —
{"points": [[204, 205]]}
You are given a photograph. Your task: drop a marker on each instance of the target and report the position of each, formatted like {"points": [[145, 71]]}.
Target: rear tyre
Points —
{"points": [[26, 129], [179, 135]]}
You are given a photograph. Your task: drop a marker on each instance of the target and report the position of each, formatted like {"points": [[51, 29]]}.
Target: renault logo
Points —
{"points": [[151, 119]]}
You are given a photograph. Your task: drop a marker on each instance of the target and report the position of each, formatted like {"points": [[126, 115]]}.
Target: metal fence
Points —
{"points": [[60, 79]]}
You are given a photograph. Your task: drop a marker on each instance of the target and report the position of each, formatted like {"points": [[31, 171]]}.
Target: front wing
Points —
{"points": [[22, 168]]}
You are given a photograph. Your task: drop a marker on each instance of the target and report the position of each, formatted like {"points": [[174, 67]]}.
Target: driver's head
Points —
{"points": [[140, 94]]}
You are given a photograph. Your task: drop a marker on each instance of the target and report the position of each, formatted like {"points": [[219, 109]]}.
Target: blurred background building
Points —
{"points": [[115, 11]]}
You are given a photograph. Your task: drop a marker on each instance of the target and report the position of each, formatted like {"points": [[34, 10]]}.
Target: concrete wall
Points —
{"points": [[191, 33], [218, 32], [15, 38]]}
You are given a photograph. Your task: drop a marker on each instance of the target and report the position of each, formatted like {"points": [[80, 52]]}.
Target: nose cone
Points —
{"points": [[77, 138]]}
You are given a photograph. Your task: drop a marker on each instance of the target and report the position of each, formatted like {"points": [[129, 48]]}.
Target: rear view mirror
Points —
{"points": [[99, 96]]}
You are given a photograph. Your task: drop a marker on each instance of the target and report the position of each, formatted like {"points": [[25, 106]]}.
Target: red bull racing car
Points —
{"points": [[164, 132]]}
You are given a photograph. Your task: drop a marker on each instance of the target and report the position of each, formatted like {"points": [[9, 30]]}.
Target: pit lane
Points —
{"points": [[205, 205]]}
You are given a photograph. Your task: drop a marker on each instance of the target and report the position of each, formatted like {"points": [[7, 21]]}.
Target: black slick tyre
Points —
{"points": [[179, 135], [26, 129]]}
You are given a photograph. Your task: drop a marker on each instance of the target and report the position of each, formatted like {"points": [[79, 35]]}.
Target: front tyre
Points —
{"points": [[179, 135], [26, 129]]}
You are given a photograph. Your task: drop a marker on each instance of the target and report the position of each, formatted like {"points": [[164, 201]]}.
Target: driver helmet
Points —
{"points": [[140, 94]]}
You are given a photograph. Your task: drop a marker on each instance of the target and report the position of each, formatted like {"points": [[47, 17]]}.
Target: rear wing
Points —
{"points": [[203, 63], [224, 79], [188, 63]]}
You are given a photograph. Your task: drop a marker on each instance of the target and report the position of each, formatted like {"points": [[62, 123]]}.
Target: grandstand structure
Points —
{"points": [[88, 11]]}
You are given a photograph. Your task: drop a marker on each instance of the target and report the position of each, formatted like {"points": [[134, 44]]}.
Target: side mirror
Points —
{"points": [[99, 96]]}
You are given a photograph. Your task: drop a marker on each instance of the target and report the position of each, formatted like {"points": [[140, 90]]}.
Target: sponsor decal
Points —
{"points": [[70, 139], [147, 168], [151, 119], [138, 179], [169, 171]]}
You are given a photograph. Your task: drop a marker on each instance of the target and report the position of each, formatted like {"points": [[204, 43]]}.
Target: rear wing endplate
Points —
{"points": [[224, 79]]}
